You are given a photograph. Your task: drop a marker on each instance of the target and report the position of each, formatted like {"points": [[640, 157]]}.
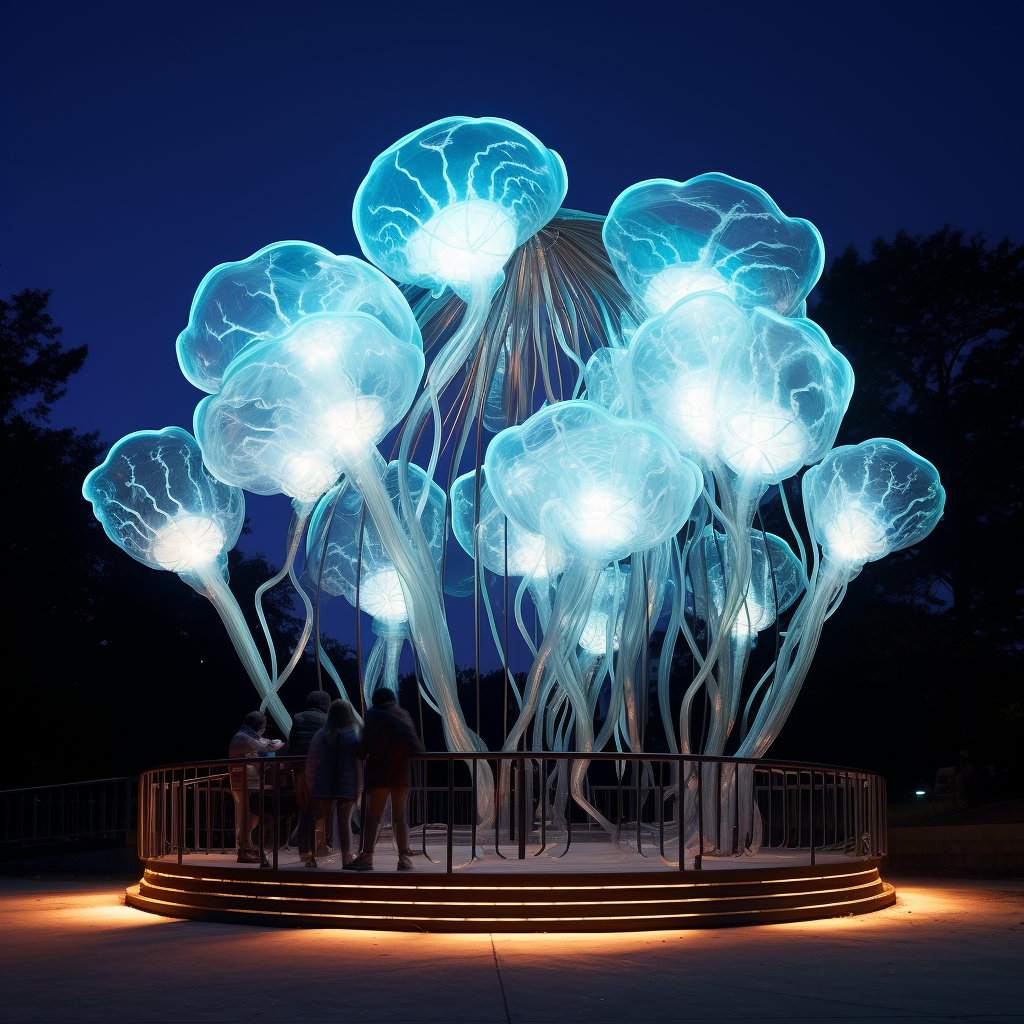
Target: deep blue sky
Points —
{"points": [[145, 143]]}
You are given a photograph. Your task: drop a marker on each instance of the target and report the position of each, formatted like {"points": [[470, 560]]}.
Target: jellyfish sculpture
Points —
{"points": [[157, 502], [862, 502], [345, 557], [669, 239], [776, 581], [754, 396], [598, 488], [262, 297], [446, 207], [296, 411]]}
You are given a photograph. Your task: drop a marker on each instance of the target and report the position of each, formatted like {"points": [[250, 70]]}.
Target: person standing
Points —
{"points": [[335, 773], [245, 782], [389, 740], [305, 726]]}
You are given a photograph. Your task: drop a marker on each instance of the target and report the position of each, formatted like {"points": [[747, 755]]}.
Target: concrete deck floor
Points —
{"points": [[948, 950]]}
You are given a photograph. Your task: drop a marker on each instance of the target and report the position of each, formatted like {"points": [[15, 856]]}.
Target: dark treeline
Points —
{"points": [[113, 667]]}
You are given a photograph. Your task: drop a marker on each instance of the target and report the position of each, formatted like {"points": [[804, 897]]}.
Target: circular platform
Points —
{"points": [[493, 901]]}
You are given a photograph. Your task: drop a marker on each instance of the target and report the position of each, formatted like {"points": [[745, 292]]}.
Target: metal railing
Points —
{"points": [[43, 815], [464, 809]]}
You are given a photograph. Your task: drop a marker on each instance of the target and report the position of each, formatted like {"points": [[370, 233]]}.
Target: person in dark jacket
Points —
{"points": [[305, 725], [335, 774], [389, 739]]}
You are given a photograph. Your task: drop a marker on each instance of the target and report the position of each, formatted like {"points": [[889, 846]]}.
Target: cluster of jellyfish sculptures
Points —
{"points": [[594, 407]]}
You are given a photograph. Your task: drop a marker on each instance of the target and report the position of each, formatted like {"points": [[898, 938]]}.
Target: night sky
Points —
{"points": [[146, 143]]}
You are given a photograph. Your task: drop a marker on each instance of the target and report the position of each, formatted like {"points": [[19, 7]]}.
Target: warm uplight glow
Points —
{"points": [[466, 242], [380, 595], [675, 283], [187, 542], [854, 536]]}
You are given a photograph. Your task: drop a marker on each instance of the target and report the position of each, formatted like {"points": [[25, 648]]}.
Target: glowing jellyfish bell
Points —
{"points": [[766, 598], [447, 205], [594, 485], [346, 556], [157, 502], [598, 488], [673, 364], [501, 541], [669, 239], [295, 412], [779, 396], [867, 500], [337, 568], [263, 297]]}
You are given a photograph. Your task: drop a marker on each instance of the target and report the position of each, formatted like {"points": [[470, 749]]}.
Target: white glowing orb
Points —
{"points": [[594, 638], [187, 542], [766, 444], [854, 537], [694, 413], [351, 427], [465, 243], [670, 285], [528, 556], [307, 477], [602, 520], [381, 596]]}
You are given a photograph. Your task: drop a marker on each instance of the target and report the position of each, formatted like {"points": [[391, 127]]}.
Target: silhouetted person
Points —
{"points": [[389, 739], [335, 773], [245, 784], [305, 726]]}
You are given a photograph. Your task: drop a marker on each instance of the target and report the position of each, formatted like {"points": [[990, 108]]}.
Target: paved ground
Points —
{"points": [[948, 950]]}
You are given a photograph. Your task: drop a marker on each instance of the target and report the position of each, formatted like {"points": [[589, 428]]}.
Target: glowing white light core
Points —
{"points": [[529, 556], [307, 477], [187, 542], [670, 285], [766, 443], [351, 427], [854, 537], [602, 520], [466, 242], [381, 596], [693, 412]]}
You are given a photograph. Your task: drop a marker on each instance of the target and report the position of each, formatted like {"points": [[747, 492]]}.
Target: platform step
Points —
{"points": [[485, 902]]}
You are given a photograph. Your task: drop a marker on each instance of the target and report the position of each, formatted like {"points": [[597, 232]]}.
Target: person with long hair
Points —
{"points": [[337, 773]]}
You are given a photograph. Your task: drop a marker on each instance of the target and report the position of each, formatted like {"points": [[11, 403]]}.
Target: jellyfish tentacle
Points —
{"points": [[328, 664], [374, 668], [224, 601]]}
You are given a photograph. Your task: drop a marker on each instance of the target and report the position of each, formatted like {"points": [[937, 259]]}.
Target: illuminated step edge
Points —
{"points": [[552, 902]]}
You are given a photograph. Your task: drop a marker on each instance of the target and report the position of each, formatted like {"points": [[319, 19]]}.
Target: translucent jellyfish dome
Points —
{"points": [[293, 412], [157, 502], [606, 611], [336, 563], [590, 483], [265, 296], [669, 239], [447, 205], [864, 501], [606, 380], [766, 598], [779, 397], [525, 553], [673, 368]]}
